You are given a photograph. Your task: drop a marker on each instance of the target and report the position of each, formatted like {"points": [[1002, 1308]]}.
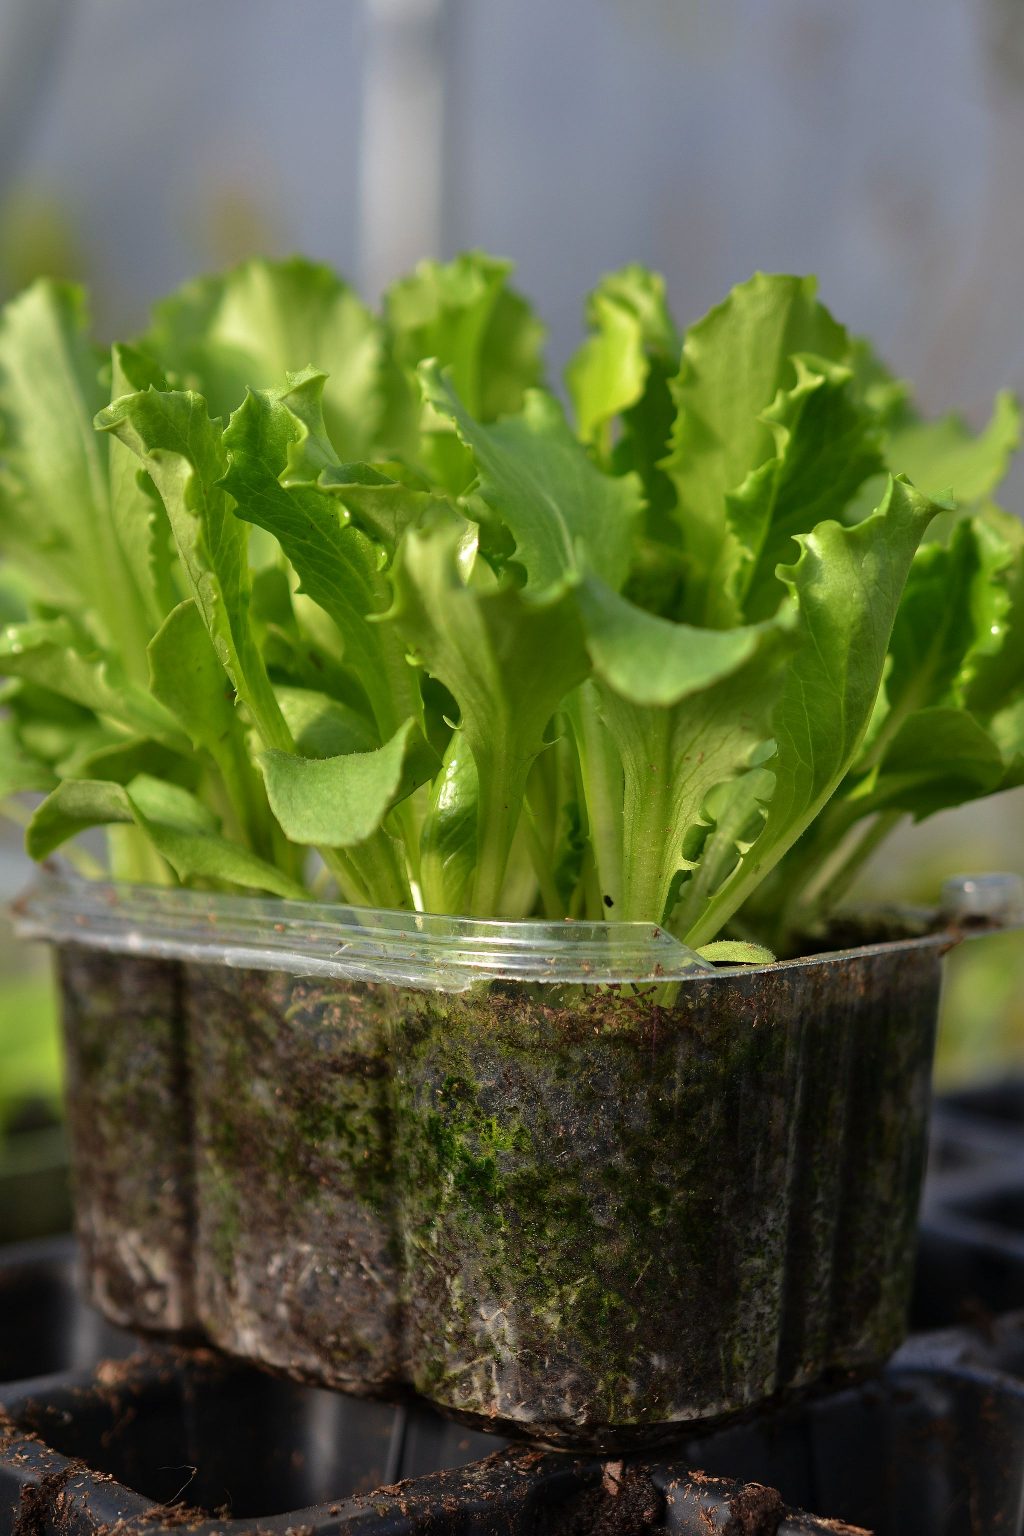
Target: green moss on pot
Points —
{"points": [[129, 1122], [298, 1263], [619, 1215], [588, 1214]]}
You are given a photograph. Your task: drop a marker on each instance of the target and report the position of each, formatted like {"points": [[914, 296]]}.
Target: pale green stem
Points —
{"points": [[133, 859], [350, 888], [499, 807], [647, 867], [408, 829], [540, 858], [247, 796], [644, 891], [379, 870], [600, 776], [781, 889], [822, 902]]}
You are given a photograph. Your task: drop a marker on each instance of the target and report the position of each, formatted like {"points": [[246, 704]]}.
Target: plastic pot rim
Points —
{"points": [[421, 950]]}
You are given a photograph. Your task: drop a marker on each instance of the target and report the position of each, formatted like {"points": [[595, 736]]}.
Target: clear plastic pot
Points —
{"points": [[561, 1179]]}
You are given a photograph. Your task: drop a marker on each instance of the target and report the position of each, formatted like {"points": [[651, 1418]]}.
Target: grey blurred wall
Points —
{"points": [[880, 143], [172, 134]]}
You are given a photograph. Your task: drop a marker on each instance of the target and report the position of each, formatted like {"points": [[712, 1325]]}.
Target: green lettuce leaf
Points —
{"points": [[931, 745], [338, 802], [690, 730], [652, 661], [324, 726], [337, 564], [734, 952], [620, 385], [734, 363], [537, 480], [55, 498], [464, 314], [122, 761], [994, 672], [507, 659], [847, 584], [383, 508], [20, 771], [248, 328], [136, 510], [937, 758], [448, 835], [180, 828], [1006, 727], [52, 727], [187, 676], [687, 661], [827, 444], [51, 655], [631, 333], [946, 455], [181, 449]]}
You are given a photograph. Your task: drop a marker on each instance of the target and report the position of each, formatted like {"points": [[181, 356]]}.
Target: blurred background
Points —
{"points": [[880, 145]]}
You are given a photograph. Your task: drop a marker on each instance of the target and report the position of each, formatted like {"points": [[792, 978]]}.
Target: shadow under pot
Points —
{"points": [[569, 1182]]}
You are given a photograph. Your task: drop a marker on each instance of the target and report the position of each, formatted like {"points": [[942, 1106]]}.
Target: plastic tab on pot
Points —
{"points": [[995, 900], [353, 943]]}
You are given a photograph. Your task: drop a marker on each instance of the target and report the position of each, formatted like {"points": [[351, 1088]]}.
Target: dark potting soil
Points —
{"points": [[755, 1511], [625, 1503]]}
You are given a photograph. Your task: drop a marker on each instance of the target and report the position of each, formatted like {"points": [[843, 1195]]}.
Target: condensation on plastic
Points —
{"points": [[351, 943]]}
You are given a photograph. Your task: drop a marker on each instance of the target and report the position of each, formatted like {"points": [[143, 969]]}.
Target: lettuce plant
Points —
{"points": [[302, 599]]}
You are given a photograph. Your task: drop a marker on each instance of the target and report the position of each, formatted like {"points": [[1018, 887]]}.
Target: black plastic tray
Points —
{"points": [[165, 1439], [98, 1440], [971, 1245]]}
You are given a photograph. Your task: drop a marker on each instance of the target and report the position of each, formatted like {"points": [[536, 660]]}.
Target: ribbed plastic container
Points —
{"points": [[565, 1180]]}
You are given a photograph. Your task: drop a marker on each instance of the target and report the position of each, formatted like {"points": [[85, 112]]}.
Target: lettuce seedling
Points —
{"points": [[307, 600]]}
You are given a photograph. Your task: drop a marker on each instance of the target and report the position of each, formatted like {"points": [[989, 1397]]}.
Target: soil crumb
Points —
{"points": [[755, 1511], [626, 1503], [37, 1507], [177, 1516]]}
